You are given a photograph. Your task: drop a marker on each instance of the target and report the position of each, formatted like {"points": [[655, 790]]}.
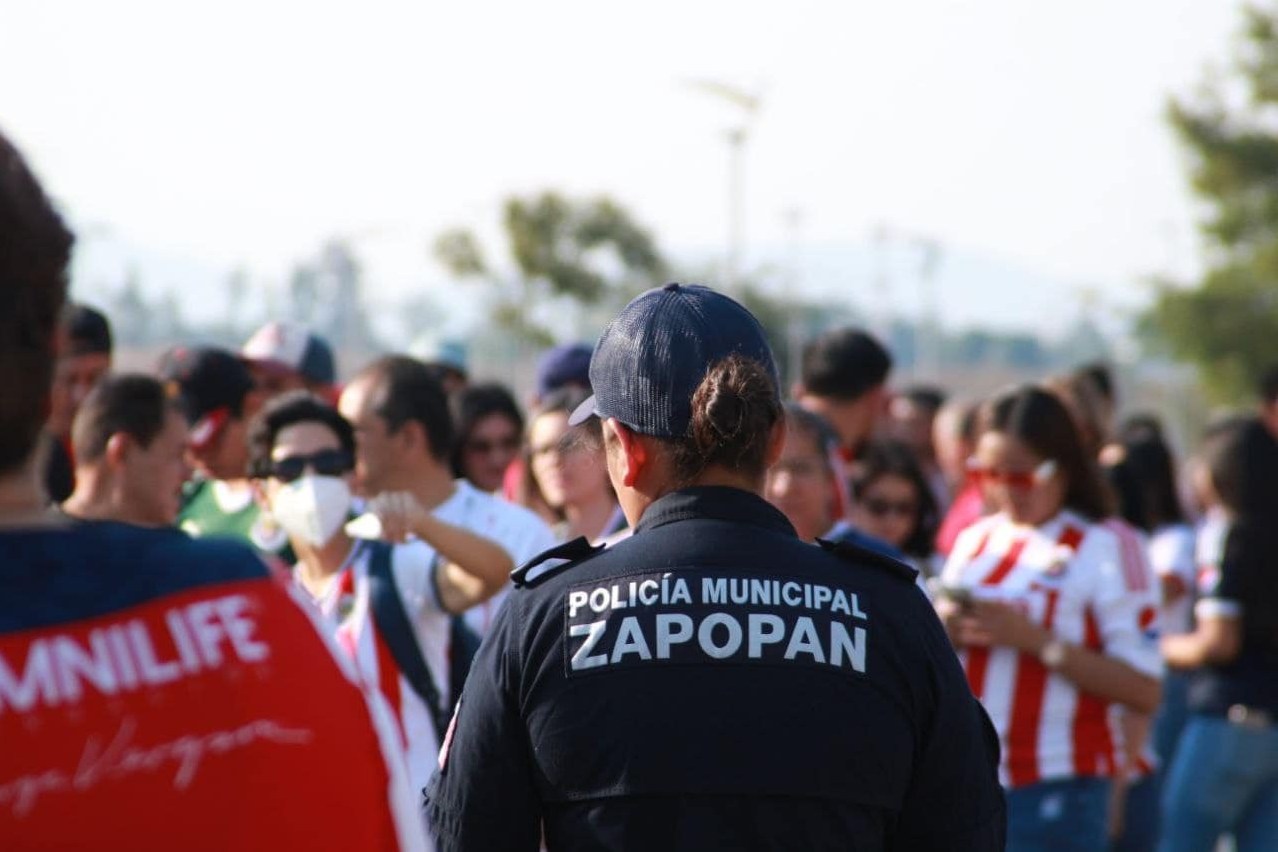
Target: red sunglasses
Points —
{"points": [[1011, 478]]}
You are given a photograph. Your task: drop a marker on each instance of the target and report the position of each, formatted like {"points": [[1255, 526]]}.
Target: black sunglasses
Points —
{"points": [[324, 463]]}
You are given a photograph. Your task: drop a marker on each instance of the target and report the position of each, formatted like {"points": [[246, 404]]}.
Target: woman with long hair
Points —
{"points": [[893, 501], [567, 472], [489, 429], [1049, 624], [1224, 777]]}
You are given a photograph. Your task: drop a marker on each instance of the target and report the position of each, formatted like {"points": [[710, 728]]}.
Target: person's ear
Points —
{"points": [[633, 455], [776, 443], [117, 447], [412, 437]]}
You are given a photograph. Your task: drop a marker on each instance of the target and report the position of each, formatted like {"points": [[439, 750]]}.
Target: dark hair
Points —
{"points": [[474, 403], [733, 412], [1039, 418], [1083, 402], [926, 397], [1148, 463], [1141, 426], [1102, 378], [893, 458], [1242, 458], [406, 391], [35, 247], [813, 426], [132, 404], [1269, 385], [844, 364], [1243, 462], [289, 409], [87, 330]]}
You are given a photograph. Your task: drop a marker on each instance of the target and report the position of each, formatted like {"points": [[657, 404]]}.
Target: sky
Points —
{"points": [[1027, 140]]}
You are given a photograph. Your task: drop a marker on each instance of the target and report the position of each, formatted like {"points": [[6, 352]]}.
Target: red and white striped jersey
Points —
{"points": [[1075, 578], [346, 607]]}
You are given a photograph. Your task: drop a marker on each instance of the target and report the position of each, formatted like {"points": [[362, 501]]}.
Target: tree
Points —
{"points": [[589, 252], [1228, 323]]}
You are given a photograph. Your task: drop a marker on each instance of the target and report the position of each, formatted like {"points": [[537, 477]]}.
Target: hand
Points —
{"points": [[399, 513], [951, 613], [994, 624]]}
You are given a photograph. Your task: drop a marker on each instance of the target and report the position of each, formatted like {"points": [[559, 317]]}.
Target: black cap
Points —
{"points": [[88, 331], [210, 383], [650, 359]]}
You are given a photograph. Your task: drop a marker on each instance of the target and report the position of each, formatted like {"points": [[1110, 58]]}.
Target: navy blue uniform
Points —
{"points": [[711, 683]]}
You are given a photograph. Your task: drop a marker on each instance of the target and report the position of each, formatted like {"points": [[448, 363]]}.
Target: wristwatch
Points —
{"points": [[1052, 655]]}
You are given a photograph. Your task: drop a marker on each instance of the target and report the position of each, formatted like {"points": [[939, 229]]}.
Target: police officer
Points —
{"points": [[712, 682]]}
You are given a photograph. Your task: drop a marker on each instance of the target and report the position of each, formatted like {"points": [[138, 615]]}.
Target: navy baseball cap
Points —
{"points": [[650, 359], [564, 365]]}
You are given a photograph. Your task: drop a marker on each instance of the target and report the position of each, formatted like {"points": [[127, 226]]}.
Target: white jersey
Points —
{"points": [[520, 532], [1077, 579], [1174, 559], [346, 607]]}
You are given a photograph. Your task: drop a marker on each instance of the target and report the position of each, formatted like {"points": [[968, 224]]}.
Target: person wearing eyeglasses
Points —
{"points": [[568, 472], [804, 483], [302, 456], [1050, 623], [893, 501]]}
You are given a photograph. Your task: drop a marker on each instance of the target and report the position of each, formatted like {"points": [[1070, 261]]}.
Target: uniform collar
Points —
{"points": [[714, 502]]}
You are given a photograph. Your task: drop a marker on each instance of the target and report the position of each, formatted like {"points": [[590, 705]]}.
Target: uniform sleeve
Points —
{"points": [[1123, 613], [954, 801], [483, 795]]}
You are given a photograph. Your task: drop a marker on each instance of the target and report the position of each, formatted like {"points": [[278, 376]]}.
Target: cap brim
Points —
{"points": [[583, 412]]}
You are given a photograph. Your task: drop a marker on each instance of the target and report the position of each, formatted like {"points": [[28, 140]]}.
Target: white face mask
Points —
{"points": [[312, 508]]}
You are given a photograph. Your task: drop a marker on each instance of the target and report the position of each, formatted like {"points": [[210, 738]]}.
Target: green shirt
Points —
{"points": [[213, 509]]}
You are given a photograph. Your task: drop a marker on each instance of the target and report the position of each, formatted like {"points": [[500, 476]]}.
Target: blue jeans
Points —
{"points": [[1172, 715], [1224, 779], [1058, 816], [1140, 816]]}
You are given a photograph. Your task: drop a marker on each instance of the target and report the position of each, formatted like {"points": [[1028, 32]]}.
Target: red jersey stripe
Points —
{"points": [[1027, 712], [978, 659], [1006, 564], [1093, 742]]}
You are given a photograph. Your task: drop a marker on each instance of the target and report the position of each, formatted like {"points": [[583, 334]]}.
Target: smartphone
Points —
{"points": [[961, 595]]}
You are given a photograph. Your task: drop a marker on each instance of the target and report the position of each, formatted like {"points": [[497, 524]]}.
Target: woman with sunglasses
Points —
{"points": [[301, 454], [489, 428], [893, 502], [1050, 626]]}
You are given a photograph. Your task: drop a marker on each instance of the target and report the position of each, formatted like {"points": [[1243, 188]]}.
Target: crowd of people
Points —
{"points": [[1115, 612]]}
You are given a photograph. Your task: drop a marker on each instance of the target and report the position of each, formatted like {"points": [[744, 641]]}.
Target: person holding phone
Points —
{"points": [[1052, 628]]}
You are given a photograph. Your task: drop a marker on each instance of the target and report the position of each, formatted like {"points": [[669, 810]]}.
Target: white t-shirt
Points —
{"points": [[520, 532], [345, 606], [1172, 554], [1076, 579]]}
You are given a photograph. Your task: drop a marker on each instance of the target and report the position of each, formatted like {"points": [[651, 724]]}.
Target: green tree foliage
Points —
{"points": [[1228, 323], [587, 251]]}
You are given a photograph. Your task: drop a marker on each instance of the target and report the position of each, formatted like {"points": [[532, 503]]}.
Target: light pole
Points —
{"points": [[748, 105]]}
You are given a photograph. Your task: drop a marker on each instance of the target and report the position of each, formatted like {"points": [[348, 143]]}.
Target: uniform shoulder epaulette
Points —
{"points": [[553, 561], [863, 555]]}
